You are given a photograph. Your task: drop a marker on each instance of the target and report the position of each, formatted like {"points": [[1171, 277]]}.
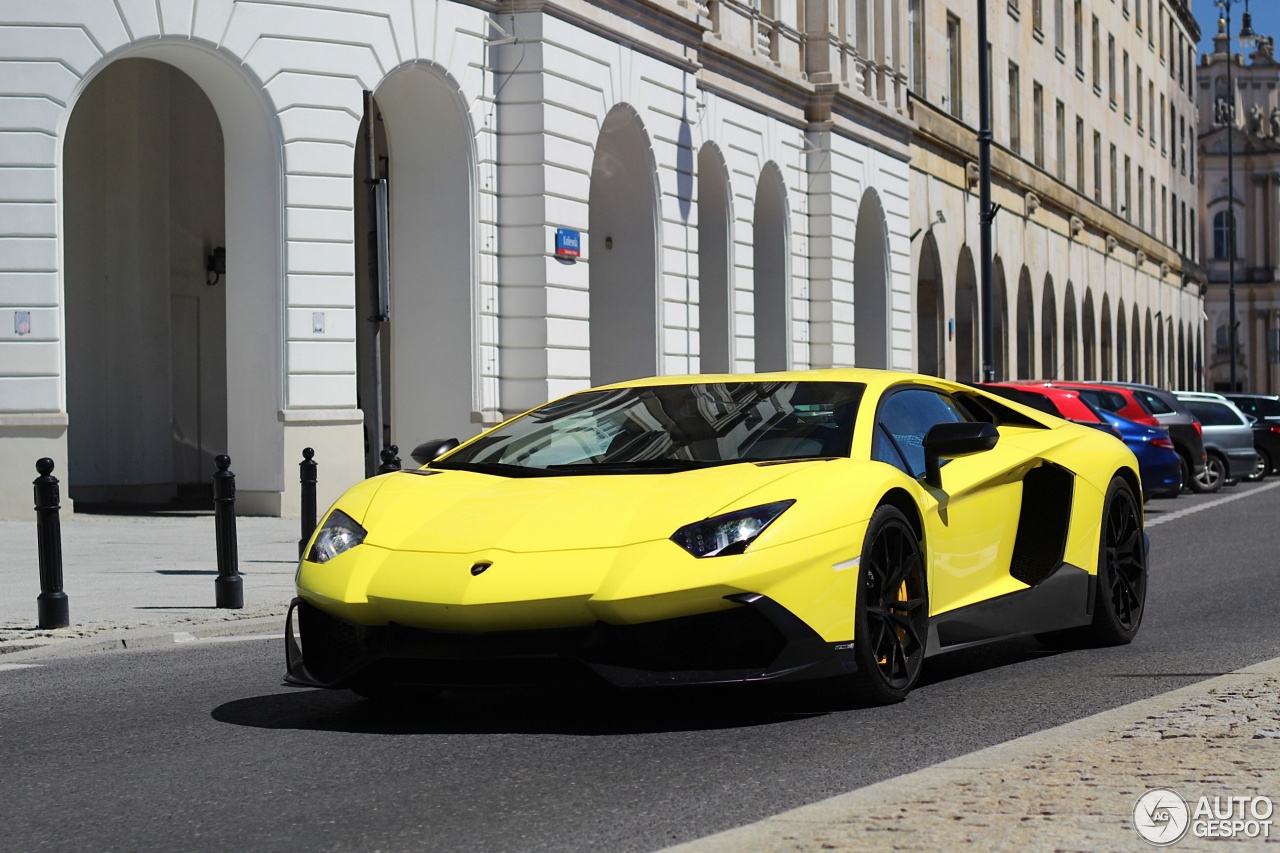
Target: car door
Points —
{"points": [[971, 521]]}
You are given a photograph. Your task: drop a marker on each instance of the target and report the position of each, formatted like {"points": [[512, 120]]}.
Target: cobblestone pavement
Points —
{"points": [[1070, 788]]}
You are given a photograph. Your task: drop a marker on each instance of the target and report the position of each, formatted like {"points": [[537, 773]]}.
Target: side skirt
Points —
{"points": [[1064, 599]]}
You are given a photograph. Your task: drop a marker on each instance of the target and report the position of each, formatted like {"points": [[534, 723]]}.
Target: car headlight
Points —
{"points": [[728, 534], [339, 534]]}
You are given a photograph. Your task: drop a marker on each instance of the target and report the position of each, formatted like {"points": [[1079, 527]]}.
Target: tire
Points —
{"points": [[891, 613], [1214, 476], [1121, 591], [1185, 482]]}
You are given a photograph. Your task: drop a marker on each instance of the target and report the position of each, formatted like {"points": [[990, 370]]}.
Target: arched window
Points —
{"points": [[1222, 227]]}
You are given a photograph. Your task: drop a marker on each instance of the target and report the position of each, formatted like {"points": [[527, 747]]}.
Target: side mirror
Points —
{"points": [[946, 441], [428, 450]]}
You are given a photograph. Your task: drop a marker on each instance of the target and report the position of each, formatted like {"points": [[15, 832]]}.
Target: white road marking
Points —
{"points": [[4, 667], [1219, 502]]}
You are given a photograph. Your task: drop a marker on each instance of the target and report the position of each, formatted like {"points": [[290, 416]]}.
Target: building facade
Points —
{"points": [[1242, 115], [1095, 272], [184, 220]]}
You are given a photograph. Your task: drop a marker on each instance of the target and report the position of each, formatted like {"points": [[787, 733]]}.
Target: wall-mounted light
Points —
{"points": [[215, 266], [940, 220]]}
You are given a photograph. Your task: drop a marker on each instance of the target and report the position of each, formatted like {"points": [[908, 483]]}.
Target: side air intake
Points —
{"points": [[1042, 523]]}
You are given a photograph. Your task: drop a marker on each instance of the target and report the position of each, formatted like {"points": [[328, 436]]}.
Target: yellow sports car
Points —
{"points": [[839, 524]]}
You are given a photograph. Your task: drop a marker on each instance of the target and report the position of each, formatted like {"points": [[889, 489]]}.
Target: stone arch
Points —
{"points": [[1135, 329], [1182, 356], [1070, 335], [871, 283], [715, 261], [968, 326], [1026, 327], [770, 248], [1148, 352], [1049, 331], [931, 311], [146, 200], [426, 146], [623, 244]]}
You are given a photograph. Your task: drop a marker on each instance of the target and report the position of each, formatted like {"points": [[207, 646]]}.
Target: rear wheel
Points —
{"points": [[1215, 474], [891, 615], [1185, 482], [1122, 570]]}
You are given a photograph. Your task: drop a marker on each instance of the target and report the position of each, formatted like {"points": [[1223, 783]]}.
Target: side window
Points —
{"points": [[1268, 408], [1153, 403], [904, 419]]}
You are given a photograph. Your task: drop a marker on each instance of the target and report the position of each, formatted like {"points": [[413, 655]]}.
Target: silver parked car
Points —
{"points": [[1228, 437]]}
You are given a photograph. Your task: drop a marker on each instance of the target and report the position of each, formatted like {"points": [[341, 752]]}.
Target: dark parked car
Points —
{"points": [[1228, 438], [1184, 429], [1266, 441], [1264, 407]]}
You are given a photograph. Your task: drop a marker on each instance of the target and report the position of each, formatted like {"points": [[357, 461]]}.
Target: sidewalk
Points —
{"points": [[1069, 788], [142, 576]]}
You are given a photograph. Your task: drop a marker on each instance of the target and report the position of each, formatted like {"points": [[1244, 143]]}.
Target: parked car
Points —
{"points": [[1113, 398], [1228, 439], [1064, 403], [1158, 463], [1264, 407], [1266, 442], [1184, 429]]}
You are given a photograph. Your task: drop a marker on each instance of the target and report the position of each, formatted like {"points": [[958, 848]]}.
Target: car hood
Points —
{"points": [[464, 512]]}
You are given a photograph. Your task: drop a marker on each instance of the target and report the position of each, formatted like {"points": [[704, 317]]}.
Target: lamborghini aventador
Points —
{"points": [[839, 524]]}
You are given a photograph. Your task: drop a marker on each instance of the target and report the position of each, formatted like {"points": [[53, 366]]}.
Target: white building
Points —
{"points": [[738, 172], [1095, 272]]}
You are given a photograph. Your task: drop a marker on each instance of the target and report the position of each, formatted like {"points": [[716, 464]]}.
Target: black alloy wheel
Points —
{"points": [[1122, 569], [891, 618], [1213, 478]]}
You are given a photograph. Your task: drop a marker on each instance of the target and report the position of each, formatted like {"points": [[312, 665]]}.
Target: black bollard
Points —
{"points": [[390, 459], [228, 587], [307, 477], [51, 603]]}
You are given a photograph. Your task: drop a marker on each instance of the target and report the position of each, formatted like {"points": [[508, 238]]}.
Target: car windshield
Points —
{"points": [[667, 428], [1109, 401]]}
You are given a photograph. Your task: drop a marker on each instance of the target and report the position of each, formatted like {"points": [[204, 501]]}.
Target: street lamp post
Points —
{"points": [[985, 213]]}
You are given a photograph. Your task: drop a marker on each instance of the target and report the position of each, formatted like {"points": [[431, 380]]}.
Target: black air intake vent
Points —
{"points": [[1042, 523]]}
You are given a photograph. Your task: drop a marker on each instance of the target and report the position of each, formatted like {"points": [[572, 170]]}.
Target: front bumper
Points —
{"points": [[757, 641]]}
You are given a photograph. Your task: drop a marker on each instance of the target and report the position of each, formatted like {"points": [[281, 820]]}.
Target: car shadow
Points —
{"points": [[578, 711], [966, 662]]}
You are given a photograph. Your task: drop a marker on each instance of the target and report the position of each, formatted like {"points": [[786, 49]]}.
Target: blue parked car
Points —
{"points": [[1158, 462]]}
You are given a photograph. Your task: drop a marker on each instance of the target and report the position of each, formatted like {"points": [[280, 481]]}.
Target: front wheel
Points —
{"points": [[1215, 474], [1261, 469], [891, 613]]}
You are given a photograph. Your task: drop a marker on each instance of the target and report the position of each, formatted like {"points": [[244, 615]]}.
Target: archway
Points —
{"points": [[931, 312], [1182, 356], [1049, 332], [715, 303], [1107, 357], [1122, 345], [1088, 331], [147, 199], [1160, 363], [772, 284], [1135, 329], [1026, 326], [424, 143], [1070, 335], [968, 326], [871, 284], [623, 251], [1147, 366]]}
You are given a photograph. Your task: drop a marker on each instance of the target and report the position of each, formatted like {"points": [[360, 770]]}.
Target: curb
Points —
{"points": [[151, 638], [839, 823]]}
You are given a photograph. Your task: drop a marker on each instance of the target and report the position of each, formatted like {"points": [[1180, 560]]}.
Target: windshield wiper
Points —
{"points": [[498, 468], [640, 466]]}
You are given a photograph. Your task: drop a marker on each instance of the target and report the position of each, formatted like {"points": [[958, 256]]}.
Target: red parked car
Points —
{"points": [[1062, 402]]}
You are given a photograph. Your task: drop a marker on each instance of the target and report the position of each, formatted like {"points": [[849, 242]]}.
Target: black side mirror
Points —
{"points": [[946, 441], [428, 450]]}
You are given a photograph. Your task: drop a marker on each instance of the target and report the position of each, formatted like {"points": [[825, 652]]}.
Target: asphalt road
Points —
{"points": [[202, 748]]}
